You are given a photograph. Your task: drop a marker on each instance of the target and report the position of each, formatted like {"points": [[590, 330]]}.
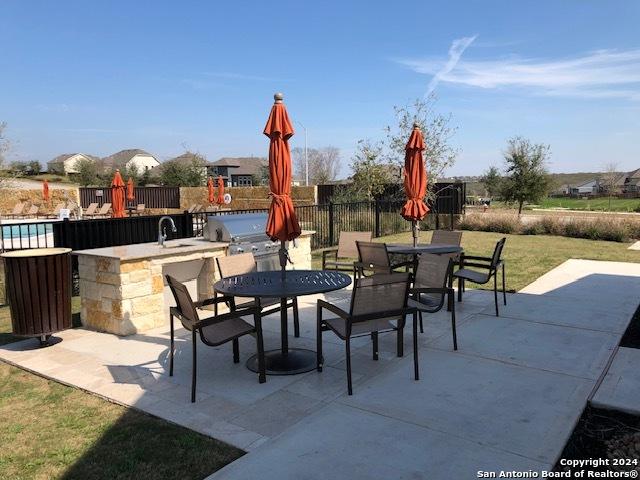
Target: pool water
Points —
{"points": [[26, 230]]}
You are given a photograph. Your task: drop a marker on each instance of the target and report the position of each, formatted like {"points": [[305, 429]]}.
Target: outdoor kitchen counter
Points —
{"points": [[123, 291]]}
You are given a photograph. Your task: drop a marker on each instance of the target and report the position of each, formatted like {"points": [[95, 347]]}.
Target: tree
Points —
{"points": [[324, 164], [491, 181], [261, 177], [436, 128], [87, 172], [371, 174], [190, 173], [526, 178], [609, 179]]}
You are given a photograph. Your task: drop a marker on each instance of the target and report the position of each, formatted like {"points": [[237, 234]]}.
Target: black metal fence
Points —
{"points": [[152, 197], [328, 220]]}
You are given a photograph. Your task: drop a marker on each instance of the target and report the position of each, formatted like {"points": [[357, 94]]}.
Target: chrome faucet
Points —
{"points": [[162, 232]]}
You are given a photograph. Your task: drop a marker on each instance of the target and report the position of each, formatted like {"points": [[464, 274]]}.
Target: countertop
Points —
{"points": [[139, 251], [181, 246]]}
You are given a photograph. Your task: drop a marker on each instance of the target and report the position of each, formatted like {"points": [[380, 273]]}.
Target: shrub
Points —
{"points": [[491, 223]]}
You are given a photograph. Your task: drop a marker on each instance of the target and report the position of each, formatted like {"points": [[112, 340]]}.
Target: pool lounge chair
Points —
{"points": [[140, 210], [91, 210], [32, 212], [18, 211], [56, 211], [104, 210]]}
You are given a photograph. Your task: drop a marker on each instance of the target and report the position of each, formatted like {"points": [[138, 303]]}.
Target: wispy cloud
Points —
{"points": [[456, 50], [597, 74]]}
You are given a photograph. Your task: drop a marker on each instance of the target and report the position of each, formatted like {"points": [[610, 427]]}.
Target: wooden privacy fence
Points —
{"points": [[152, 197]]}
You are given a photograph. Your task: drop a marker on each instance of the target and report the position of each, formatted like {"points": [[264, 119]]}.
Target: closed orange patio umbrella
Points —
{"points": [[131, 196], [415, 181], [211, 196], [45, 190], [117, 196], [282, 223], [220, 199]]}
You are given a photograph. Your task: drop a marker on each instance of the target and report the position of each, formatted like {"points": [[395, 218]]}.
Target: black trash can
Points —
{"points": [[38, 285]]}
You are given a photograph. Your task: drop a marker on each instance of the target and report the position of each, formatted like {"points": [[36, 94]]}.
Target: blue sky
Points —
{"points": [[98, 77]]}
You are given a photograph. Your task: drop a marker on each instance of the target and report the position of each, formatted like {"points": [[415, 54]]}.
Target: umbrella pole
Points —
{"points": [[282, 253], [415, 229]]}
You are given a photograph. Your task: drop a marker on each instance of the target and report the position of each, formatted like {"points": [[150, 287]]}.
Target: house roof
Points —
{"points": [[591, 182], [60, 159], [241, 165], [633, 174], [120, 159]]}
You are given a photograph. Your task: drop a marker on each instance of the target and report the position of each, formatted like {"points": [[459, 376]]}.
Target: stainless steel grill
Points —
{"points": [[245, 232]]}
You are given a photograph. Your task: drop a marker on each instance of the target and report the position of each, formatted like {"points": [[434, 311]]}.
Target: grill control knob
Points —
{"points": [[239, 250], [254, 248]]}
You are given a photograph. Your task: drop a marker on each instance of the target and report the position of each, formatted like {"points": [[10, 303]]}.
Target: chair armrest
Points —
{"points": [[333, 309], [226, 316], [470, 257], [420, 290], [388, 313], [211, 301], [402, 264]]}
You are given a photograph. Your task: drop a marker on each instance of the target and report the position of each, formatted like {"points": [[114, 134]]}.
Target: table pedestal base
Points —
{"points": [[297, 361]]}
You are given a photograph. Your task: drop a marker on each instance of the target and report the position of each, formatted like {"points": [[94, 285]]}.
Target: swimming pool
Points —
{"points": [[25, 230]]}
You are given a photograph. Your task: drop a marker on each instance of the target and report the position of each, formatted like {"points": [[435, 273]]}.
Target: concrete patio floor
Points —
{"points": [[507, 399]]}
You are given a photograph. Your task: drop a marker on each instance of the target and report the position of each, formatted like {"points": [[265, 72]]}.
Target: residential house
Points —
{"points": [[187, 158], [591, 187], [238, 171], [133, 157], [630, 182], [66, 163]]}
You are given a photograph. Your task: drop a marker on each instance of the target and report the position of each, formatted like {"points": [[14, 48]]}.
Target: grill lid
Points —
{"points": [[241, 227]]}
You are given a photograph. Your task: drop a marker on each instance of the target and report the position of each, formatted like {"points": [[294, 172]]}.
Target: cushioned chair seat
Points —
{"points": [[222, 332]]}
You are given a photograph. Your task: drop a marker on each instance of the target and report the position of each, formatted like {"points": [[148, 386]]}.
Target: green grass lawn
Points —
{"points": [[50, 431], [528, 256], [592, 205]]}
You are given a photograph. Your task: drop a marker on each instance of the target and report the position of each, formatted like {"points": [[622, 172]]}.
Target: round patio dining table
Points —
{"points": [[290, 284], [409, 249]]}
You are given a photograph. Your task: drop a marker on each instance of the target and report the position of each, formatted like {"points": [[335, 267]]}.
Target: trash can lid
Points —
{"points": [[35, 252]]}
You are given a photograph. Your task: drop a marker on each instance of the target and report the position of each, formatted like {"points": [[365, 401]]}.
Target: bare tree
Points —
{"points": [[324, 164], [5, 145], [609, 179]]}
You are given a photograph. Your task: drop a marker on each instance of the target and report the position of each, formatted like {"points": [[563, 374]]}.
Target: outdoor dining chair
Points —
{"points": [[489, 268], [242, 264], [346, 251], [373, 257], [432, 287], [214, 331], [446, 237], [378, 305]]}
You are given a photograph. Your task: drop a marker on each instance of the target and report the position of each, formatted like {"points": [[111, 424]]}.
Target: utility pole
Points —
{"points": [[306, 156]]}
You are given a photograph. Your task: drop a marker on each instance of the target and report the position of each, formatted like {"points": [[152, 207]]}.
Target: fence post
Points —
{"points": [[377, 218], [331, 232]]}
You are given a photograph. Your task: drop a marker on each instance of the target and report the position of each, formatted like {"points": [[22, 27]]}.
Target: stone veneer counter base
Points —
{"points": [[122, 289]]}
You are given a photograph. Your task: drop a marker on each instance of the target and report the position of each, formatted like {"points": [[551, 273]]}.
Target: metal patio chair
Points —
{"points": [[373, 257], [214, 331], [378, 305], [244, 263], [446, 237], [432, 287], [489, 265], [346, 251]]}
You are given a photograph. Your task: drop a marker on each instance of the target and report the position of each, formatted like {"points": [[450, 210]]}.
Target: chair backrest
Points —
{"points": [[347, 243], [141, 207], [184, 303], [380, 293], [236, 264], [104, 209], [497, 252], [191, 208], [446, 237], [91, 209], [18, 208], [373, 254], [433, 270], [33, 210]]}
